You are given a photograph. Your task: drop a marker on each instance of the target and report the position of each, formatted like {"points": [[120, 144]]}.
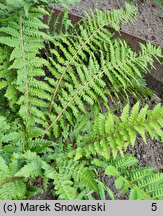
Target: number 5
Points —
{"points": [[154, 207]]}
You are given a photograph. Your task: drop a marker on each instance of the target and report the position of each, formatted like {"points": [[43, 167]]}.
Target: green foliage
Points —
{"points": [[160, 2], [52, 85], [141, 183], [10, 186], [112, 133], [73, 179], [15, 173], [23, 39], [16, 6], [108, 64]]}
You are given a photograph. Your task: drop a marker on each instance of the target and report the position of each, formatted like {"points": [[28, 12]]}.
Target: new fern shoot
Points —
{"points": [[51, 121]]}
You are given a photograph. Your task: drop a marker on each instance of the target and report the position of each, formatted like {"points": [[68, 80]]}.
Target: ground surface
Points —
{"points": [[149, 26]]}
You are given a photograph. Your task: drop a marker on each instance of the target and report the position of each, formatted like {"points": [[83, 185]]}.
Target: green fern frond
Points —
{"points": [[15, 172], [142, 183], [11, 187], [115, 68], [65, 190], [9, 135], [70, 177], [114, 133], [32, 170], [39, 145], [25, 37], [91, 28]]}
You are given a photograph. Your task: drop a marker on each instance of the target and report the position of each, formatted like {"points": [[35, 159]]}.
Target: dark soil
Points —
{"points": [[149, 26]]}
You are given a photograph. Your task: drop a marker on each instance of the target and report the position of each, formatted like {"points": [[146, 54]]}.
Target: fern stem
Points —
{"points": [[138, 188], [77, 93], [25, 66], [59, 115], [9, 180], [63, 73]]}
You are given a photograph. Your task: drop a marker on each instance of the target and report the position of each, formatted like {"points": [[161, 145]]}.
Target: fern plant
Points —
{"points": [[108, 64], [50, 122]]}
